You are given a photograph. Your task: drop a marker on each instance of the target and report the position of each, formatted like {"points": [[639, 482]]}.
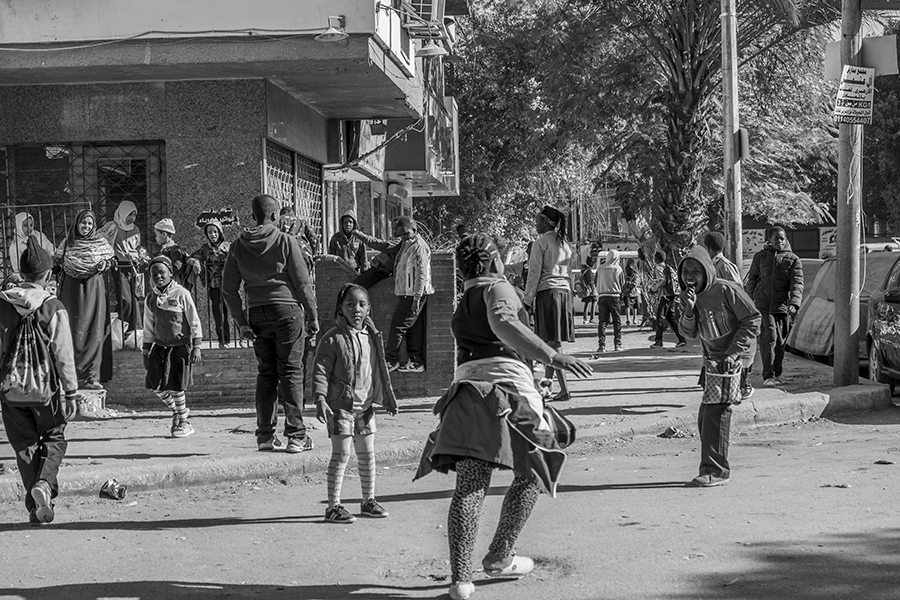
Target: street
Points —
{"points": [[808, 514]]}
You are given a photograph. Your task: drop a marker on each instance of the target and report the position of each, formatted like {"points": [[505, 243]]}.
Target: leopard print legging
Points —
{"points": [[473, 477]]}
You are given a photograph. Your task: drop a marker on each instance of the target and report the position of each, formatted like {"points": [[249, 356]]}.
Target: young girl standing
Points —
{"points": [[349, 380], [172, 337]]}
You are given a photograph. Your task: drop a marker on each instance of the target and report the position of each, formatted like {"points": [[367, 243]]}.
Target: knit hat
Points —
{"points": [[715, 241], [165, 225], [34, 259], [161, 259]]}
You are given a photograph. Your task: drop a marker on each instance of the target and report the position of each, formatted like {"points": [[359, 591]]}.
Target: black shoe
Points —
{"points": [[338, 514], [270, 445]]}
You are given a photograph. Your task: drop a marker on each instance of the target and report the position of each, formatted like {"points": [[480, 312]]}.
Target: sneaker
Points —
{"points": [[298, 445], [174, 424], [370, 508], [747, 392], [182, 429], [91, 385], [412, 367], [462, 590], [778, 380], [601, 349], [392, 365], [225, 345], [43, 511], [338, 514], [33, 520], [270, 445], [520, 566], [657, 345], [681, 344], [770, 382], [708, 481], [618, 347]]}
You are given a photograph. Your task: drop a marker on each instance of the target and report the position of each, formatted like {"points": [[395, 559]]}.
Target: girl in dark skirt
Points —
{"points": [[548, 291], [172, 339]]}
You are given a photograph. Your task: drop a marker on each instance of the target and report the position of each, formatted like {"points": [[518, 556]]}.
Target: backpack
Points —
{"points": [[27, 373], [580, 292]]}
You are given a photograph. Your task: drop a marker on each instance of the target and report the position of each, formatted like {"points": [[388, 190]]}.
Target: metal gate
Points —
{"points": [[295, 181]]}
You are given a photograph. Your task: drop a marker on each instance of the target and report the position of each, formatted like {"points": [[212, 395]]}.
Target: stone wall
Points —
{"points": [[440, 348]]}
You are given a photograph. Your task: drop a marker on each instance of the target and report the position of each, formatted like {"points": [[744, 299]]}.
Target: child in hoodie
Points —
{"points": [[346, 246], [723, 316], [172, 337], [350, 379], [609, 291], [208, 262]]}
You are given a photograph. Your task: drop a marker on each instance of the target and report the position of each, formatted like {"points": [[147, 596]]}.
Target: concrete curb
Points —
{"points": [[792, 408]]}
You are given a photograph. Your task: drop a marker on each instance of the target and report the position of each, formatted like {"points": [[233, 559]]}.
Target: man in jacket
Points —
{"points": [[346, 246], [664, 287], [37, 433], [412, 286], [279, 290], [775, 283]]}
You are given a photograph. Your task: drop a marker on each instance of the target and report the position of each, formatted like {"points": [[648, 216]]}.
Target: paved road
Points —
{"points": [[809, 514]]}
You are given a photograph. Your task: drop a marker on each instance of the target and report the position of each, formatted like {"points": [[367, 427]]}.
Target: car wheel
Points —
{"points": [[875, 367]]}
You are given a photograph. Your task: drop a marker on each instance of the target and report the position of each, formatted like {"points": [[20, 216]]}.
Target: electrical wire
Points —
{"points": [[356, 161]]}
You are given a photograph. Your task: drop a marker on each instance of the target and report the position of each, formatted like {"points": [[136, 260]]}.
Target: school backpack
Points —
{"points": [[580, 292], [27, 373]]}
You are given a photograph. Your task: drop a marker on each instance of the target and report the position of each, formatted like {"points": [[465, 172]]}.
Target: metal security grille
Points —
{"points": [[52, 182], [295, 181]]}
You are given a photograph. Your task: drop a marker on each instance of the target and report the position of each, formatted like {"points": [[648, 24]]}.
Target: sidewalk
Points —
{"points": [[639, 391]]}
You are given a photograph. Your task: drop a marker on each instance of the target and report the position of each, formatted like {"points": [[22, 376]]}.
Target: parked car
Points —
{"points": [[892, 245], [812, 334], [883, 331]]}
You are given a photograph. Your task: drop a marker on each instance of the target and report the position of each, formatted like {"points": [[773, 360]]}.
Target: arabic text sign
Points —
{"points": [[856, 95], [225, 216]]}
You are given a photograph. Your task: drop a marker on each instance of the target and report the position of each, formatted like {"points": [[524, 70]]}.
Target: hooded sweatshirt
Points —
{"points": [[610, 276], [724, 317], [775, 281], [271, 265], [211, 256], [51, 316], [348, 247]]}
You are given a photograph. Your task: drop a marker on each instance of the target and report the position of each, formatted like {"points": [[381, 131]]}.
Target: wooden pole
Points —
{"points": [[733, 229]]}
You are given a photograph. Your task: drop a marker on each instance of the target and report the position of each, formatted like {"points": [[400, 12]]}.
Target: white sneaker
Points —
{"points": [[519, 567], [462, 590], [769, 382]]}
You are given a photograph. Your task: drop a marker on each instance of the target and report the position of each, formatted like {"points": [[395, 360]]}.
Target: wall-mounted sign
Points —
{"points": [[855, 96], [224, 215]]}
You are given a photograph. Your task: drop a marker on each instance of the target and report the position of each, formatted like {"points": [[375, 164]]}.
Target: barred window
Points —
{"points": [[295, 181]]}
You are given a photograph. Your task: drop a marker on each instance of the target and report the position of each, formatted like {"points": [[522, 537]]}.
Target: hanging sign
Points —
{"points": [[827, 242], [224, 215], [855, 96]]}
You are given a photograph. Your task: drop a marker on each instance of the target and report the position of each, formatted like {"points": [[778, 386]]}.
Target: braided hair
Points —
{"points": [[342, 294], [474, 255]]}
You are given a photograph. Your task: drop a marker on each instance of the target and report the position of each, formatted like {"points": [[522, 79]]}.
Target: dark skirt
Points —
{"points": [[85, 302], [169, 368], [553, 316]]}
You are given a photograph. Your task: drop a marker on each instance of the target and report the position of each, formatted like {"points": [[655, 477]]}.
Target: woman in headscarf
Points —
{"points": [[25, 228], [83, 257], [548, 291], [131, 259], [493, 416]]}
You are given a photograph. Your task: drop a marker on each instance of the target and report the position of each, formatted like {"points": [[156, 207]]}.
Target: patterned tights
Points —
{"points": [[340, 456], [473, 477]]}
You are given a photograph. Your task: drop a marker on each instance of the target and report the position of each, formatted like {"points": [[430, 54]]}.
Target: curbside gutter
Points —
{"points": [[87, 481]]}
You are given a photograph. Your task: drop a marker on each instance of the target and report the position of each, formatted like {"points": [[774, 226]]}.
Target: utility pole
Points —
{"points": [[733, 228], [846, 304]]}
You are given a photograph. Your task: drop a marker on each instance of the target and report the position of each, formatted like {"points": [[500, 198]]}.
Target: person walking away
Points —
{"points": [[589, 287], [24, 230], [350, 379], [412, 286], [37, 433], [279, 293], [665, 311], [172, 338], [83, 257], [610, 280], [714, 242], [347, 246], [775, 282], [476, 435], [131, 260], [723, 316], [208, 262], [631, 293], [382, 266]]}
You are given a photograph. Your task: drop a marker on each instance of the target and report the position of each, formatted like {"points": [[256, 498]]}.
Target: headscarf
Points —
{"points": [[612, 258], [20, 240], [83, 256], [126, 207], [74, 233], [20, 224]]}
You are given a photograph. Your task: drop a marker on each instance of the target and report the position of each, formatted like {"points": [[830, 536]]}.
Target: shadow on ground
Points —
{"points": [[827, 567]]}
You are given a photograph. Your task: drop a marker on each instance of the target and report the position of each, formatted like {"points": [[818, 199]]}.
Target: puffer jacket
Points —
{"points": [[775, 282]]}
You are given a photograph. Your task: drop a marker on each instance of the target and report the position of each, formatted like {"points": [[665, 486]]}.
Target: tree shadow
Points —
{"points": [[826, 567], [208, 591]]}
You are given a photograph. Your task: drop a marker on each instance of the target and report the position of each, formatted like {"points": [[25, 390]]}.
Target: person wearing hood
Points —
{"points": [[723, 316], [347, 246], [610, 279], [37, 433], [83, 257], [279, 294], [131, 260], [26, 229], [775, 282], [208, 262]]}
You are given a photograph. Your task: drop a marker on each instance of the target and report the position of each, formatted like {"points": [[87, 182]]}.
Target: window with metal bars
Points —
{"points": [[52, 182], [295, 181]]}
